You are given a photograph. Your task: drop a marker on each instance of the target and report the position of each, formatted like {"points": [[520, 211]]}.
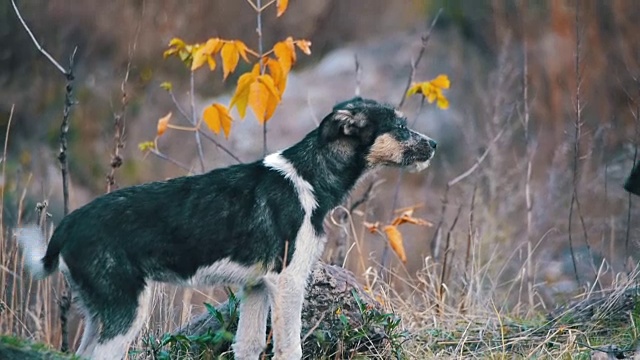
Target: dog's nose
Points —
{"points": [[432, 143]]}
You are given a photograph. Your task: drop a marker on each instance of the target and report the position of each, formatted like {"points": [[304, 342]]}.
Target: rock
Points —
{"points": [[338, 316]]}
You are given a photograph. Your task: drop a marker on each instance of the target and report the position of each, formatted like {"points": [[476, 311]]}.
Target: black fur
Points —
{"points": [[632, 184]]}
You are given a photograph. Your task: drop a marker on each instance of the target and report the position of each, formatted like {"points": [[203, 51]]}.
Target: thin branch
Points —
{"points": [[529, 146], [202, 132], [120, 123], [479, 161], [36, 43], [576, 145], [169, 159], [258, 7], [4, 165], [414, 64], [358, 75], [194, 121]]}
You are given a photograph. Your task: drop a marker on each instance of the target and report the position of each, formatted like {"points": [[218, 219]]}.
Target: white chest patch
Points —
{"points": [[305, 191], [308, 245]]}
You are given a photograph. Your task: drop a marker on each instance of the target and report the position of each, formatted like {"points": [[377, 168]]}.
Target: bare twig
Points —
{"points": [[169, 159], [258, 7], [202, 132], [194, 121], [414, 64], [358, 74], [4, 163], [65, 300], [577, 136], [479, 161], [636, 117], [529, 145], [120, 119], [35, 41]]}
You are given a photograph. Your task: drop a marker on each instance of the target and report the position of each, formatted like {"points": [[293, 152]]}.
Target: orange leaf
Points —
{"points": [[241, 97], [278, 75], [216, 116], [231, 53], [163, 124], [282, 6], [304, 46], [406, 218], [395, 240], [213, 46], [204, 54], [441, 81], [372, 227], [259, 100], [268, 82], [414, 89], [274, 95], [211, 62], [242, 49], [230, 58], [199, 58], [286, 53]]}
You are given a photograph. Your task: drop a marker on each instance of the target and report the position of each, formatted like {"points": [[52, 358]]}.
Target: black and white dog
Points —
{"points": [[228, 226]]}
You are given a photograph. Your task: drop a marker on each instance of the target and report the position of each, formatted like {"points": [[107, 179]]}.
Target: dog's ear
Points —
{"points": [[343, 123], [349, 104], [633, 181]]}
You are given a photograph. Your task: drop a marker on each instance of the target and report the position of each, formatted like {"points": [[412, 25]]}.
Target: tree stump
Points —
{"points": [[339, 319]]}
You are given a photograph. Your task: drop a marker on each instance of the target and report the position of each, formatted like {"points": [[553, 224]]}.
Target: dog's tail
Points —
{"points": [[37, 260]]}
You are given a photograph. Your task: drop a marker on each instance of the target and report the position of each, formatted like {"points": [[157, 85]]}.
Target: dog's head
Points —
{"points": [[378, 133]]}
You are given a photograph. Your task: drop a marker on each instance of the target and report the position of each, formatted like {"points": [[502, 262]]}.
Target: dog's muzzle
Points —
{"points": [[425, 147]]}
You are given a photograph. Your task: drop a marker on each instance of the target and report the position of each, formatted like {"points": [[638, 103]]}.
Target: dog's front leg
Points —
{"points": [[287, 315], [252, 325]]}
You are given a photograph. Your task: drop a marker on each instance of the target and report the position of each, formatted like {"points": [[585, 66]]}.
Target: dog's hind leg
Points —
{"points": [[254, 309], [89, 335], [121, 321]]}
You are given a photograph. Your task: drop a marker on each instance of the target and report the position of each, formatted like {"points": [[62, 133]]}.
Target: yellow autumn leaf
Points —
{"points": [[204, 53], [395, 240], [217, 117], [243, 50], [240, 98], [282, 7], [286, 53], [199, 58], [432, 90], [175, 45], [304, 46], [166, 86], [442, 102], [231, 53], [441, 81], [258, 100], [414, 89], [146, 146], [407, 218], [163, 124], [230, 58], [278, 75]]}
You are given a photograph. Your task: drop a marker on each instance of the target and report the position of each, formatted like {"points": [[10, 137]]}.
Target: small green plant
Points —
{"points": [[213, 344]]}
